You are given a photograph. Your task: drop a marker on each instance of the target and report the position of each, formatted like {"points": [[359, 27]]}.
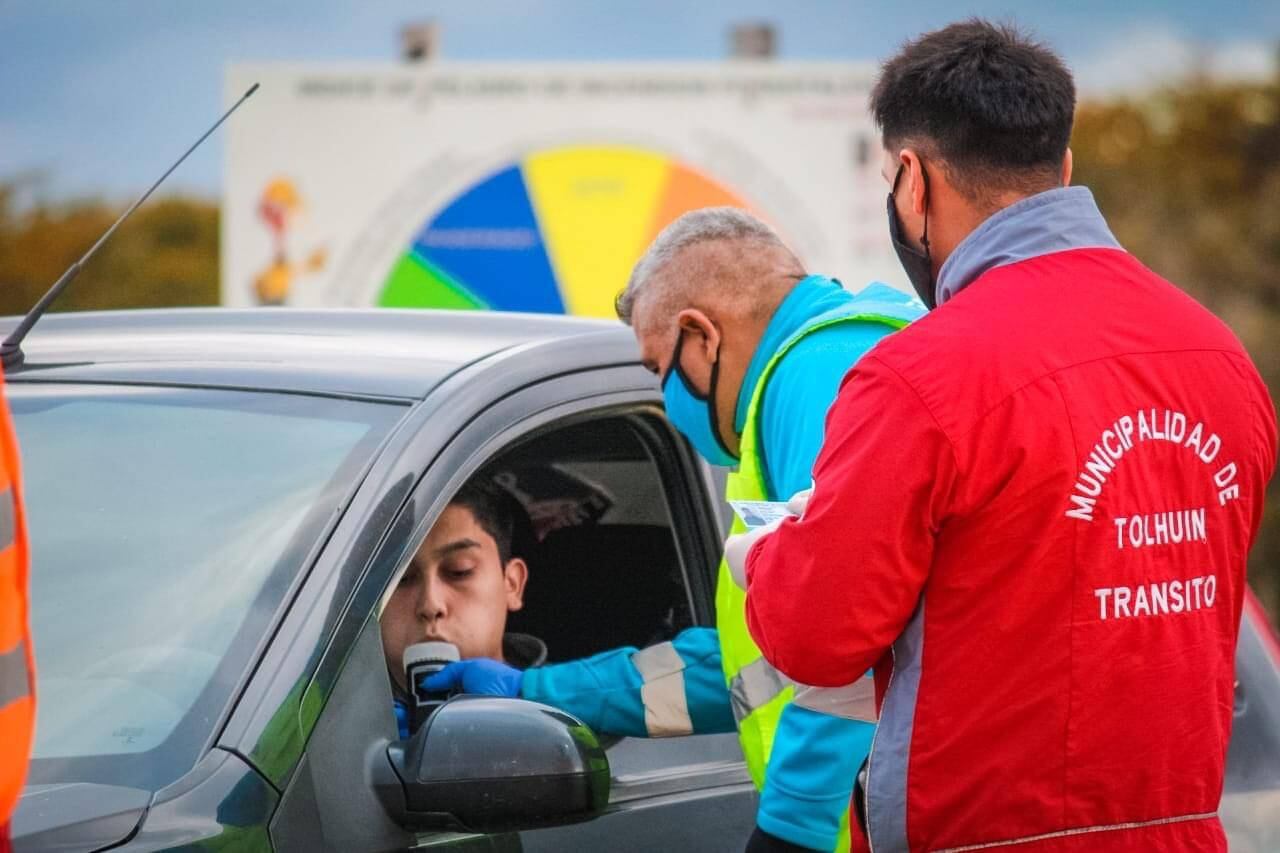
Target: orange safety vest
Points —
{"points": [[17, 661]]}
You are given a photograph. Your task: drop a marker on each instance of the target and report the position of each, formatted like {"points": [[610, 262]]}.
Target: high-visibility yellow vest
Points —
{"points": [[758, 691]]}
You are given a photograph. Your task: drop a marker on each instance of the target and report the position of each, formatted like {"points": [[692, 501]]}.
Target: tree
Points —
{"points": [[1189, 179], [166, 254]]}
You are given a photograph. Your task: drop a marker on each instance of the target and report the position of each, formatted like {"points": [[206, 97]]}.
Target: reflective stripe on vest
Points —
{"points": [[754, 686], [758, 682], [666, 706], [758, 692], [7, 519], [15, 681], [855, 701]]}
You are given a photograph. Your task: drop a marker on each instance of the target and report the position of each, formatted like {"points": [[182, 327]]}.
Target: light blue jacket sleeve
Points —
{"points": [[673, 688], [815, 757]]}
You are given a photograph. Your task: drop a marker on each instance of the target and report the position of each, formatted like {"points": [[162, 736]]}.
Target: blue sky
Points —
{"points": [[97, 96]]}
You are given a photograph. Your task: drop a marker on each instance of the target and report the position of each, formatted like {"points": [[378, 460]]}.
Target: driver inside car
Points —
{"points": [[467, 575]]}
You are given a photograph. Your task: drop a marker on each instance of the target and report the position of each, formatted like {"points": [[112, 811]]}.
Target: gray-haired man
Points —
{"points": [[751, 350]]}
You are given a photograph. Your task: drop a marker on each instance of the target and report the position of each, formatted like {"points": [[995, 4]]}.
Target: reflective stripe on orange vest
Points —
{"points": [[7, 519], [15, 681]]}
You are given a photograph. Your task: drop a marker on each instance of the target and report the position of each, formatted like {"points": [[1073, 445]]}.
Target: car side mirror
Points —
{"points": [[484, 764]]}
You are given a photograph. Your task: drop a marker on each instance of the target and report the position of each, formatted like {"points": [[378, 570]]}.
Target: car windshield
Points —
{"points": [[166, 525]]}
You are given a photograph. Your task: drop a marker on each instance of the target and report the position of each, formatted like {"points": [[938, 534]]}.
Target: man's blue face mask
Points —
{"points": [[692, 413]]}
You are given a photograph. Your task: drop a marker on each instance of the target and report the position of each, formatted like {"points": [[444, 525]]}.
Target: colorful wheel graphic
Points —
{"points": [[558, 232]]}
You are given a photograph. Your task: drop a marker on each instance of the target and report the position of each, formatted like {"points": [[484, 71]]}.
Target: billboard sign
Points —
{"points": [[534, 187]]}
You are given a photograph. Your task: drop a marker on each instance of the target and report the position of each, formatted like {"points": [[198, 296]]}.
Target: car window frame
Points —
{"points": [[541, 407], [279, 708]]}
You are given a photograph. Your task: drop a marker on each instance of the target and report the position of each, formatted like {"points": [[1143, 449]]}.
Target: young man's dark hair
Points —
{"points": [[994, 106], [499, 514]]}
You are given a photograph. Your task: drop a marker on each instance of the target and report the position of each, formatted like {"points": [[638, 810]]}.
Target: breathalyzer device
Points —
{"points": [[421, 660]]}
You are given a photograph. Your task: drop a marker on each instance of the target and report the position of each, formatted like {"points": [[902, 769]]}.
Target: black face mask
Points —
{"points": [[918, 264]]}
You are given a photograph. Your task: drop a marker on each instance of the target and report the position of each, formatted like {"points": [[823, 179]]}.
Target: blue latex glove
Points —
{"points": [[479, 675], [402, 719]]}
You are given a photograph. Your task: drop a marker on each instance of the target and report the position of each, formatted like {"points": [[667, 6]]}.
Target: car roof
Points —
{"points": [[357, 352]]}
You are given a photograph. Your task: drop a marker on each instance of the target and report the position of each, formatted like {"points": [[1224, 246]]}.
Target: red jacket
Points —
{"points": [[1034, 507]]}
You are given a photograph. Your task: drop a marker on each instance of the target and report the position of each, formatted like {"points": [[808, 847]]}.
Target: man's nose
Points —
{"points": [[432, 603]]}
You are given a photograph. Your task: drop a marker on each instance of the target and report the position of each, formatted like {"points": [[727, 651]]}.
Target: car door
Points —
{"points": [[680, 793], [1251, 790]]}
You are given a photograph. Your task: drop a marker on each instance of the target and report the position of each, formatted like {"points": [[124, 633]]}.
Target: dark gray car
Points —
{"points": [[220, 503]]}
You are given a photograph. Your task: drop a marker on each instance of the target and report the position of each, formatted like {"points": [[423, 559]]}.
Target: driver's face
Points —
{"points": [[456, 589]]}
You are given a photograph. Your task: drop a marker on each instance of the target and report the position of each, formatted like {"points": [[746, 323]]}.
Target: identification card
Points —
{"points": [[759, 513]]}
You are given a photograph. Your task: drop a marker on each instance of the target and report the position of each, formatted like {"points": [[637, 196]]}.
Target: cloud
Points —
{"points": [[1151, 56]]}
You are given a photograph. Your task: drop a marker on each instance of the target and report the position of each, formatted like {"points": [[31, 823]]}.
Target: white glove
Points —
{"points": [[796, 503], [737, 546]]}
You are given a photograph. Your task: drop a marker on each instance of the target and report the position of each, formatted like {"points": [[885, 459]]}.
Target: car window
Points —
{"points": [[608, 565], [617, 474], [165, 524], [618, 561], [629, 560], [1254, 759], [1251, 789], [609, 569]]}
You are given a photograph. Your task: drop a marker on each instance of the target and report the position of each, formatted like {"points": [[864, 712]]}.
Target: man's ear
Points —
{"points": [[705, 337], [515, 574], [915, 177], [1066, 169]]}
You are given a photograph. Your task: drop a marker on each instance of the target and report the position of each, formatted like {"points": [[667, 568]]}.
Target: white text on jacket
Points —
{"points": [[1156, 599]]}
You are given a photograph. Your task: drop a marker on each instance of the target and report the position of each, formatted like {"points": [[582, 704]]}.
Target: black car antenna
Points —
{"points": [[11, 350]]}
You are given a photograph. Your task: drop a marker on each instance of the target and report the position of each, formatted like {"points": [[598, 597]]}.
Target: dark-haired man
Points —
{"points": [[467, 575], [1033, 506]]}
